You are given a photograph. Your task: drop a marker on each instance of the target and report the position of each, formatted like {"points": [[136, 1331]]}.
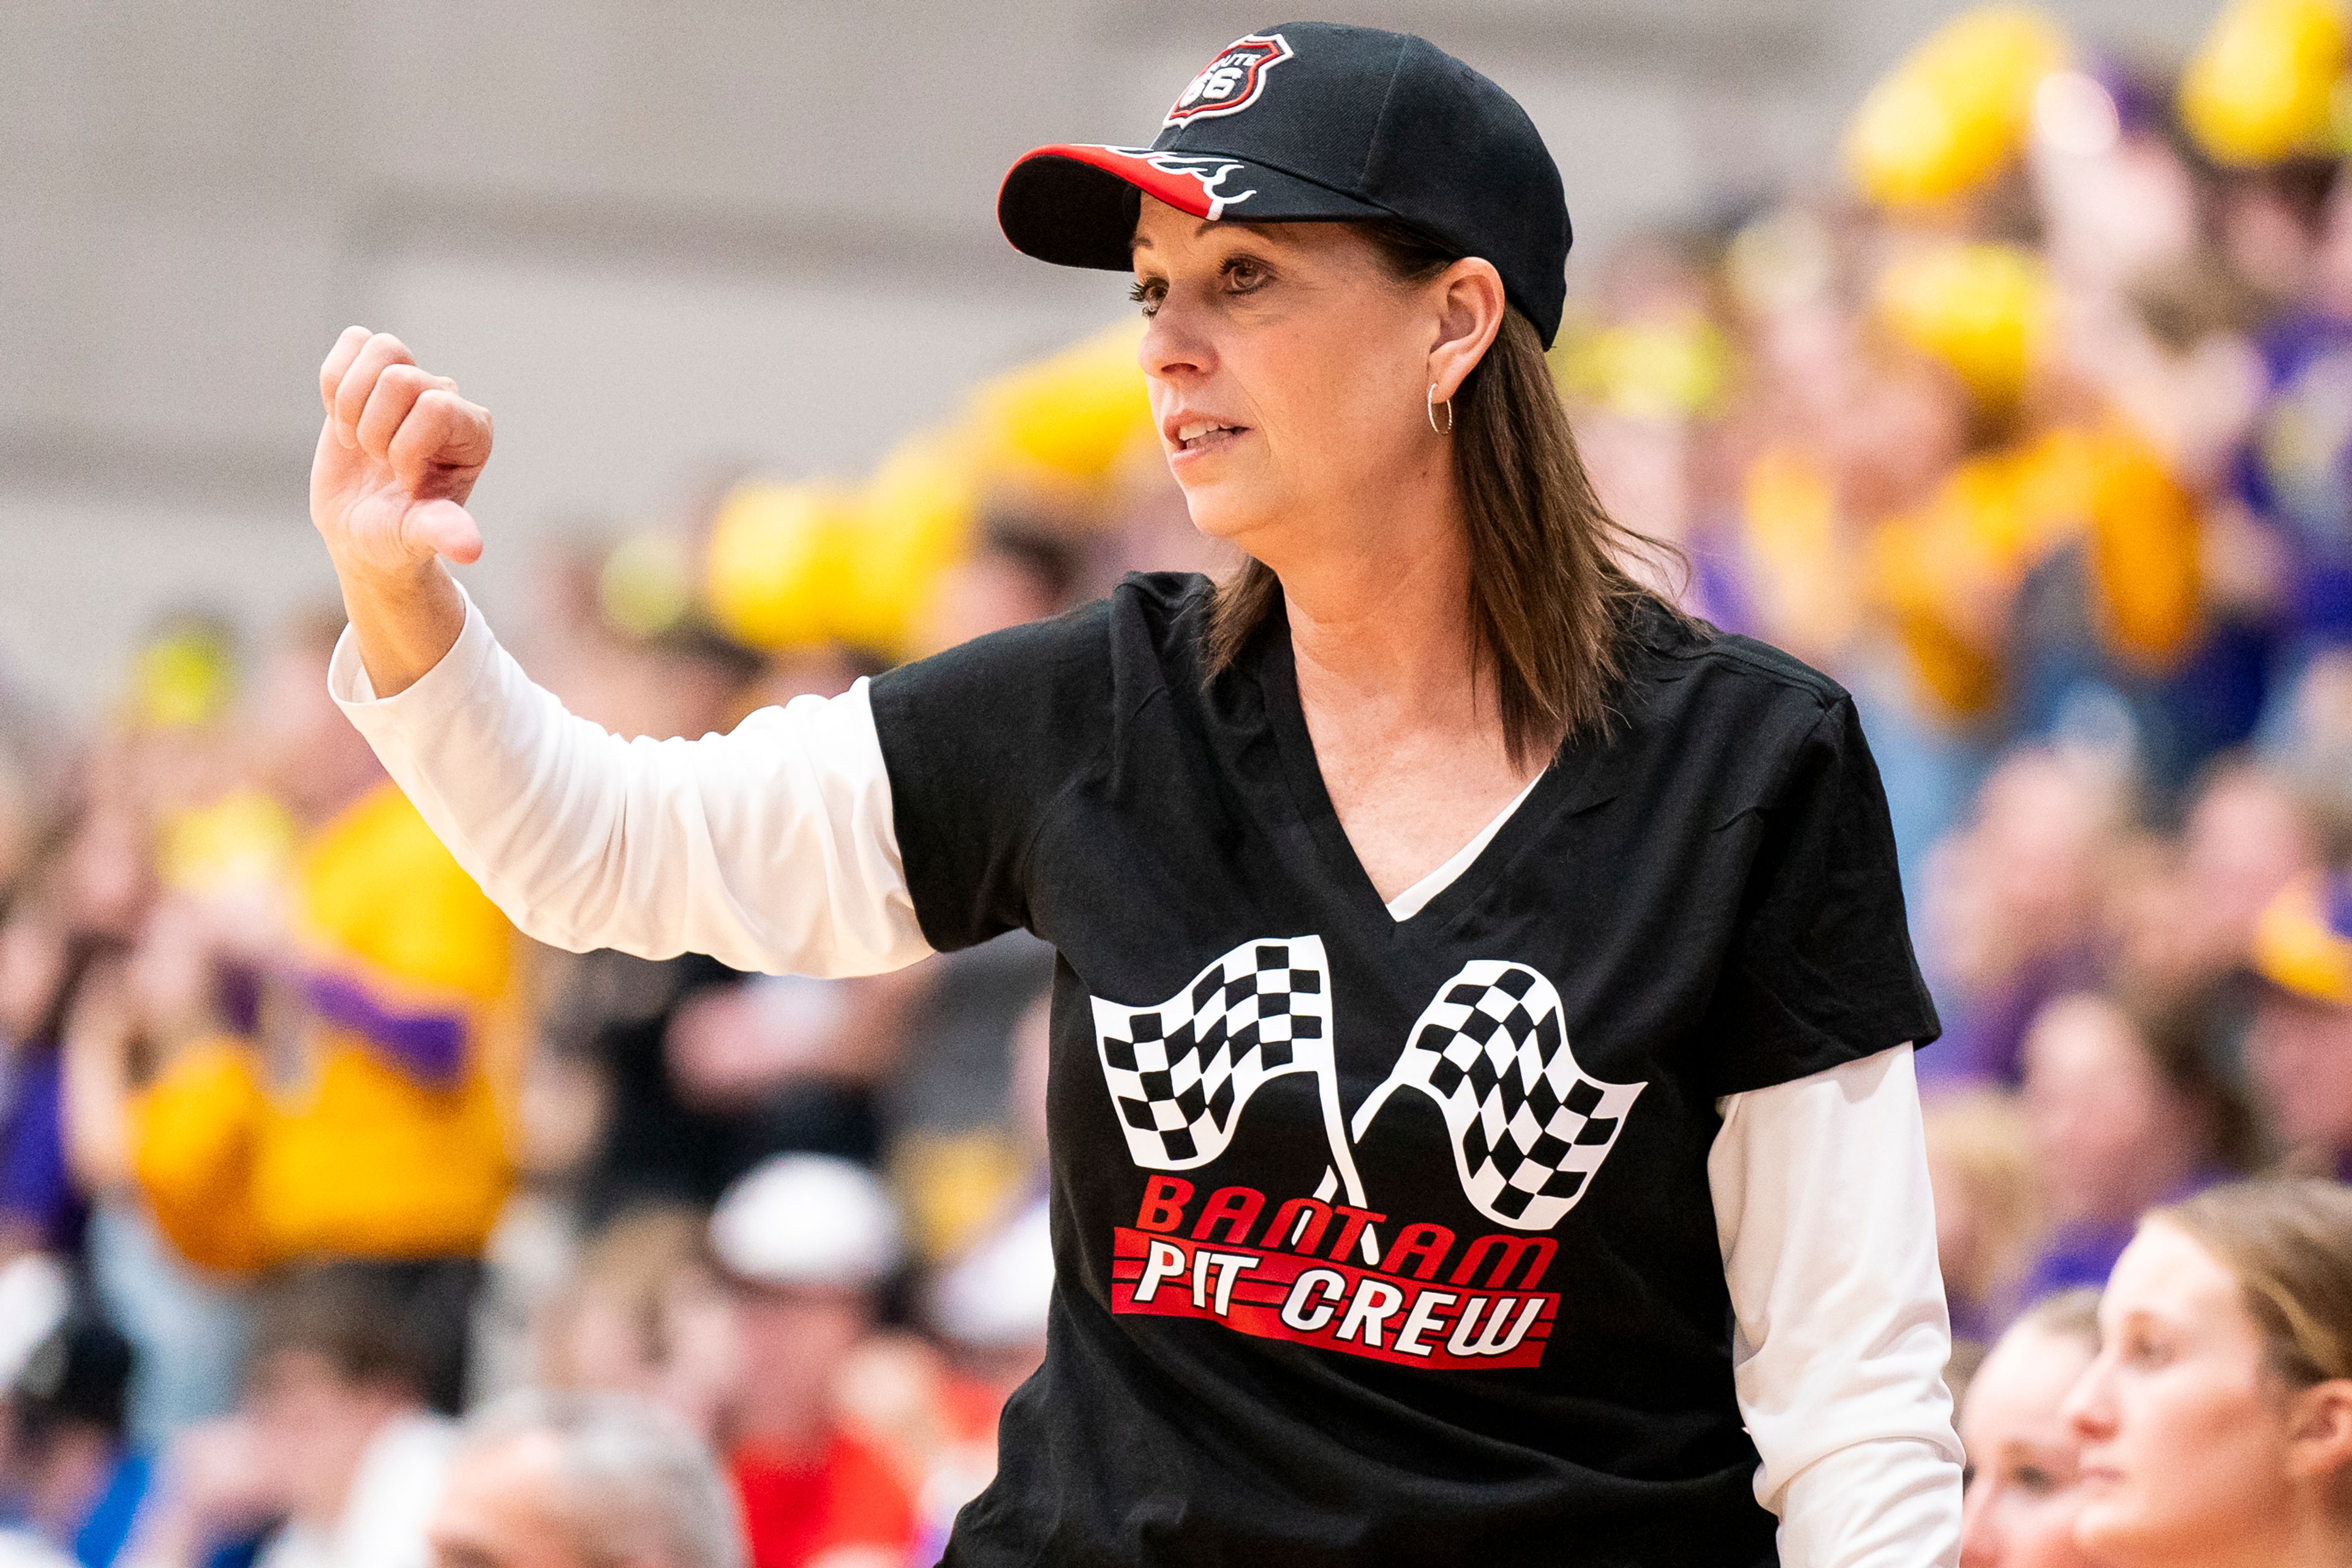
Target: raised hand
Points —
{"points": [[398, 455]]}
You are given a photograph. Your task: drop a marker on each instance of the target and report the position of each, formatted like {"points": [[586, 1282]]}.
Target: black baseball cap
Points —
{"points": [[1313, 120]]}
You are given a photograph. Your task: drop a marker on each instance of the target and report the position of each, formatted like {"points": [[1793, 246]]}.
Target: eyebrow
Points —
{"points": [[1136, 242], [2130, 1315]]}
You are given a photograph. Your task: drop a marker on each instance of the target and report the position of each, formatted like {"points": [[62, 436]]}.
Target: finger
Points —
{"points": [[396, 392], [339, 360], [443, 431], [329, 448], [444, 528], [379, 351], [331, 467]]}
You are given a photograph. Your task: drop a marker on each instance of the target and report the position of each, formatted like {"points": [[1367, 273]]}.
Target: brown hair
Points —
{"points": [[359, 1317], [1549, 604], [2175, 1036], [2290, 1245]]}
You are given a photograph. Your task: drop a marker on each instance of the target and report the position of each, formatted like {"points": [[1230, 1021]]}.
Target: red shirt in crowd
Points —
{"points": [[800, 1503]]}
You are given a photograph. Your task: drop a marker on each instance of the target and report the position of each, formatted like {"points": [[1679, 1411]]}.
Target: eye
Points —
{"points": [[1244, 273], [1147, 293], [2034, 1480]]}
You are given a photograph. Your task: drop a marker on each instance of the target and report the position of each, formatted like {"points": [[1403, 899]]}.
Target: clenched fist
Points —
{"points": [[397, 457]]}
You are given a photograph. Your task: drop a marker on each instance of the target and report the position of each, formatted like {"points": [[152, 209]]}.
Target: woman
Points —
{"points": [[2217, 1420], [2024, 1461], [2127, 1110], [1481, 1078]]}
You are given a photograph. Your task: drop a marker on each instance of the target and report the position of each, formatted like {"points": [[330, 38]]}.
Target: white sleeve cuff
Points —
{"points": [[1892, 1502], [437, 689]]}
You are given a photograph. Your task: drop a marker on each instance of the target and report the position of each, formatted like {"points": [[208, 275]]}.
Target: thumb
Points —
{"points": [[447, 529]]}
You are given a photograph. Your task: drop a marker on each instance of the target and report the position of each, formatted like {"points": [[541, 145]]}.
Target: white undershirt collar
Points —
{"points": [[1413, 900]]}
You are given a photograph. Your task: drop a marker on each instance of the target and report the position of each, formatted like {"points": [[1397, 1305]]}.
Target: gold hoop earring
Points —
{"points": [[1432, 401]]}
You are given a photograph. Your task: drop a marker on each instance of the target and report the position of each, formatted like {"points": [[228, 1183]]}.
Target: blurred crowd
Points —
{"points": [[306, 1151], [2033, 425]]}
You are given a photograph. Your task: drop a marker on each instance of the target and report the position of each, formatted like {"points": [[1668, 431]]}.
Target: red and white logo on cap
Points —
{"points": [[1233, 80], [1209, 171]]}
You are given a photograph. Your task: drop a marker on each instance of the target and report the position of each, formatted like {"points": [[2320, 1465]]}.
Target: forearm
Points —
{"points": [[771, 847], [97, 1110], [209, 1493], [404, 621], [94, 1083], [167, 1534]]}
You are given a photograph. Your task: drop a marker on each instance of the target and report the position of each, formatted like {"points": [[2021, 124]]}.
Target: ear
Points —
{"points": [[1470, 304], [2319, 1430]]}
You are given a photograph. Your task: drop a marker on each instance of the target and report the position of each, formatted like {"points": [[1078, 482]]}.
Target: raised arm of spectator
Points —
{"points": [[94, 1080], [771, 847]]}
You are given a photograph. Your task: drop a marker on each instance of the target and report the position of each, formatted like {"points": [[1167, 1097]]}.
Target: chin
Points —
{"points": [[1217, 511], [2110, 1525]]}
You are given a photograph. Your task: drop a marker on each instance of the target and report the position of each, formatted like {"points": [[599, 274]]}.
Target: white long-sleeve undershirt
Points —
{"points": [[773, 847]]}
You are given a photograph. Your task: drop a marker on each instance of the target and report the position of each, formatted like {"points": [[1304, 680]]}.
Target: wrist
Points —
{"points": [[382, 584], [405, 621]]}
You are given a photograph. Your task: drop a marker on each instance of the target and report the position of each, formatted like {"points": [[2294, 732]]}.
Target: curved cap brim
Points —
{"points": [[1075, 204]]}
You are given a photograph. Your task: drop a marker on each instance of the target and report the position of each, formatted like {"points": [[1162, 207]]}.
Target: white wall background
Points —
{"points": [[658, 236]]}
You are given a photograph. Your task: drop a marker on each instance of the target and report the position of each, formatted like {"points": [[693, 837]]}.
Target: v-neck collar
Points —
{"points": [[1443, 875], [1572, 782]]}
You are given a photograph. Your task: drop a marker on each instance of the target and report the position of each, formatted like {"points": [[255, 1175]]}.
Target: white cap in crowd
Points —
{"points": [[807, 1219], [997, 1297]]}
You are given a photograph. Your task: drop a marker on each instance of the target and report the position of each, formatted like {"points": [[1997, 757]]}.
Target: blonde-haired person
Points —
{"points": [[2023, 1490], [1989, 1213], [2217, 1418], [641, 1314]]}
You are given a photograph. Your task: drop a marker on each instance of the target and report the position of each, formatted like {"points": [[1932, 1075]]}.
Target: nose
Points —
{"points": [[1173, 344], [2088, 1409]]}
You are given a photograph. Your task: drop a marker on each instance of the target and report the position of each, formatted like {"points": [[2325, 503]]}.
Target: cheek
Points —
{"points": [[2015, 1528], [1333, 397], [2042, 1533], [2295, 1083], [2140, 1119], [2325, 1061], [2200, 1448]]}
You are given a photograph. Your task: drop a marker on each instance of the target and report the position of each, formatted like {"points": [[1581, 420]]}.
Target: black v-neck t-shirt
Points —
{"points": [[1387, 1241]]}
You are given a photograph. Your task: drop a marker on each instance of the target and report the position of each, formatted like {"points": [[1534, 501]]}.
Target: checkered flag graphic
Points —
{"points": [[1179, 1073], [1529, 1126]]}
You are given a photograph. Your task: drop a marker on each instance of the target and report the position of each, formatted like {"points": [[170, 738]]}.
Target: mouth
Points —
{"points": [[1201, 434]]}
